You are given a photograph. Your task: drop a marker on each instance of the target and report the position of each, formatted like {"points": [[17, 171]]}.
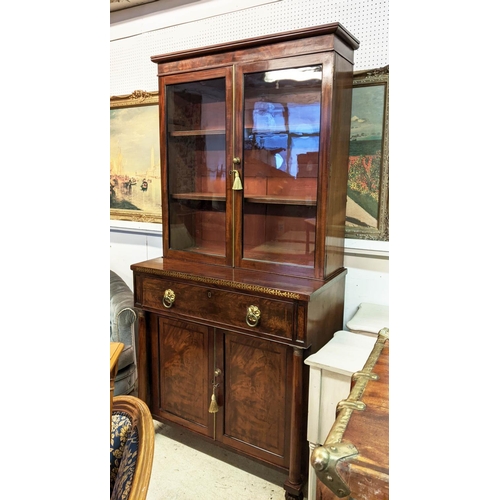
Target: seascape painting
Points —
{"points": [[135, 187]]}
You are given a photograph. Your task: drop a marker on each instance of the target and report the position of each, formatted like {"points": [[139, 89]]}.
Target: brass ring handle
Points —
{"points": [[253, 316], [168, 298]]}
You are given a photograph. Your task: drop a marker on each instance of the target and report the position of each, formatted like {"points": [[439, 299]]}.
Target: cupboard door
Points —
{"points": [[184, 385], [196, 138], [255, 402], [283, 121]]}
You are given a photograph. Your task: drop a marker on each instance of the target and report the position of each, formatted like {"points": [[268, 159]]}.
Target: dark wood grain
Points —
{"points": [[276, 244], [325, 45], [183, 374], [255, 388], [221, 307]]}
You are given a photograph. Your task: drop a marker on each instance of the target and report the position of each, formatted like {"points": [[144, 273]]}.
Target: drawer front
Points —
{"points": [[220, 306]]}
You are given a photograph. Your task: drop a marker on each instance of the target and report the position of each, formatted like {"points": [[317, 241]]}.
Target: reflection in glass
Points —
{"points": [[196, 145], [281, 153]]}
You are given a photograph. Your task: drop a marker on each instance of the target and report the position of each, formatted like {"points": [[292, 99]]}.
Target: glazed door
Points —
{"points": [[254, 396], [196, 128], [184, 355], [282, 151]]}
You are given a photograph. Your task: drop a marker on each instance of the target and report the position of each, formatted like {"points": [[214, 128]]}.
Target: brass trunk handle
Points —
{"points": [[253, 316], [325, 458], [168, 298]]}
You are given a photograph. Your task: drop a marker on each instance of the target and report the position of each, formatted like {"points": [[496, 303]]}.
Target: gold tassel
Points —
{"points": [[213, 404], [237, 181]]}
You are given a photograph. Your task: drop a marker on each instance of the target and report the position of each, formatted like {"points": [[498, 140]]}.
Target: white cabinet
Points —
{"points": [[331, 369]]}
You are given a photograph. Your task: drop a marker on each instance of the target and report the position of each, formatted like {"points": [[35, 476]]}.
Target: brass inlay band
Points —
{"points": [[325, 458], [227, 283]]}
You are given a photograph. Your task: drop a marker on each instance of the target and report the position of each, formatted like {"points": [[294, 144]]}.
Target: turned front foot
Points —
{"points": [[293, 491]]}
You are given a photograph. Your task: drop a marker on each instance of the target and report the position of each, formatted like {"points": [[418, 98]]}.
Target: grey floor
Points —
{"points": [[186, 467]]}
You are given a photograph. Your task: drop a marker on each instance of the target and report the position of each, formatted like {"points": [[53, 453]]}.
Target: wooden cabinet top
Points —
{"points": [[274, 285], [252, 44]]}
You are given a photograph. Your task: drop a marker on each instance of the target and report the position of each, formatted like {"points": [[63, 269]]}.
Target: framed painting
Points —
{"points": [[115, 5], [134, 170], [367, 213]]}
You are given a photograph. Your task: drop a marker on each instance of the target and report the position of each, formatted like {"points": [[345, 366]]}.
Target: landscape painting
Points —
{"points": [[367, 189], [134, 172]]}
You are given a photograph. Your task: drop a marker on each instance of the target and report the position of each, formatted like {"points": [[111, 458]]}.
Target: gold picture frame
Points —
{"points": [[115, 5], [367, 214], [135, 180]]}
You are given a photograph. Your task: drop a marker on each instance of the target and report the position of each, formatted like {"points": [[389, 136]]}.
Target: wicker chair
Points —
{"points": [[131, 449]]}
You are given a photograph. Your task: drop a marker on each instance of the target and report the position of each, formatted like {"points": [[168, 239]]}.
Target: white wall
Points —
{"points": [[140, 32]]}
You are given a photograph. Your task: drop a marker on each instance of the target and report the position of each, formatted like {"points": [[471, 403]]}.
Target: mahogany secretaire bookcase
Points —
{"points": [[254, 152]]}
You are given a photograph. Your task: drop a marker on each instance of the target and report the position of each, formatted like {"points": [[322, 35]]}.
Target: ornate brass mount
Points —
{"points": [[325, 458], [253, 316], [168, 298]]}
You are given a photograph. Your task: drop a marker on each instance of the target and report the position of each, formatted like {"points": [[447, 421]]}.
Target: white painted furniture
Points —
{"points": [[369, 319], [331, 369]]}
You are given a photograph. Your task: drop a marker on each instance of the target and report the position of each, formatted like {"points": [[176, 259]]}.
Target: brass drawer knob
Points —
{"points": [[168, 298], [253, 316]]}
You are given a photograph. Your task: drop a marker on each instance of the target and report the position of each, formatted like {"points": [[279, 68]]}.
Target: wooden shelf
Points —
{"points": [[308, 130], [192, 133], [250, 130], [280, 200], [265, 199], [199, 196]]}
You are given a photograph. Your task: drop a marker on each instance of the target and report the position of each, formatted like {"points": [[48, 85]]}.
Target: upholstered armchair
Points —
{"points": [[131, 449], [123, 328]]}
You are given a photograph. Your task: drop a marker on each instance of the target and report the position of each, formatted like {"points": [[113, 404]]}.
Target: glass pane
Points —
{"points": [[196, 156], [282, 124]]}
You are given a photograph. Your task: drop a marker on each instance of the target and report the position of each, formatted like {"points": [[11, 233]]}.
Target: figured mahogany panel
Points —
{"points": [[212, 304], [183, 372], [276, 244], [255, 388]]}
